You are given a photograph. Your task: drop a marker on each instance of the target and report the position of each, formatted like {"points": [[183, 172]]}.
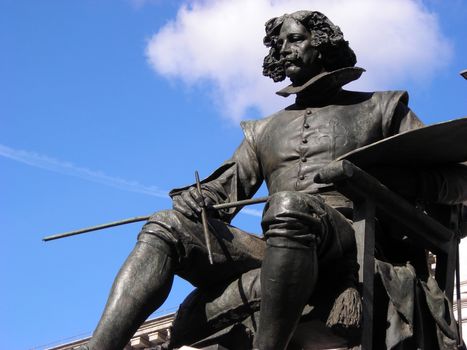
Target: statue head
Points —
{"points": [[302, 45]]}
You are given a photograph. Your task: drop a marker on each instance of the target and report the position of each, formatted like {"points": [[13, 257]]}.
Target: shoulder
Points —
{"points": [[253, 128], [385, 102], [395, 112], [391, 97], [377, 97]]}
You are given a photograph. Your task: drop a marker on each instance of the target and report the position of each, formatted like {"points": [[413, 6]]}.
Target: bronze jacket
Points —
{"points": [[287, 148]]}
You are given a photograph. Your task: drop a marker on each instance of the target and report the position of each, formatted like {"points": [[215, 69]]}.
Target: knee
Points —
{"points": [[161, 228], [284, 199], [292, 204], [294, 219], [168, 217]]}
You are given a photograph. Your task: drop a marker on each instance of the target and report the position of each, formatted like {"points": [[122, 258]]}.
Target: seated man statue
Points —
{"points": [[303, 232]]}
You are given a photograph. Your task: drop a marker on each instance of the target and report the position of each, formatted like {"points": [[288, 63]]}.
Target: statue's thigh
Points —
{"points": [[234, 251]]}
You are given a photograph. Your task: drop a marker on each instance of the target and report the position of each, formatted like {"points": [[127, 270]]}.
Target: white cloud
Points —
{"points": [[67, 168], [220, 41]]}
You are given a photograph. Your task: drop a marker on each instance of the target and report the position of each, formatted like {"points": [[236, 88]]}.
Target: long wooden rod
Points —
{"points": [[146, 217]]}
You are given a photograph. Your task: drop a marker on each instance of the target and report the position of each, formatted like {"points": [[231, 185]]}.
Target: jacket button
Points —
{"points": [[304, 140], [303, 159], [308, 112], [302, 177], [306, 125]]}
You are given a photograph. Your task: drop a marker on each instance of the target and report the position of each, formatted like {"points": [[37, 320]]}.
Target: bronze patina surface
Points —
{"points": [[308, 248]]}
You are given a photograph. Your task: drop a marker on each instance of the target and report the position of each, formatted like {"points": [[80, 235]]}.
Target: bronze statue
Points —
{"points": [[304, 234]]}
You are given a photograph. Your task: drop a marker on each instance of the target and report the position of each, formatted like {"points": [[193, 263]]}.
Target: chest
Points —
{"points": [[317, 135]]}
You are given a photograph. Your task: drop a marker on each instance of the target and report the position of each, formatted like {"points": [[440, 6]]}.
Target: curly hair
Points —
{"points": [[326, 37]]}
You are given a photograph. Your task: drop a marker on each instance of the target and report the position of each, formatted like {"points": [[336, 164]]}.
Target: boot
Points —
{"points": [[288, 277], [141, 286]]}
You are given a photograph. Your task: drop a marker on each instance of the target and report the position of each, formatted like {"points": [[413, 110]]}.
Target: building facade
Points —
{"points": [[151, 333]]}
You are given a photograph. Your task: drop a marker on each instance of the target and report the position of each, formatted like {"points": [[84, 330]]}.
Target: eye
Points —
{"points": [[296, 37]]}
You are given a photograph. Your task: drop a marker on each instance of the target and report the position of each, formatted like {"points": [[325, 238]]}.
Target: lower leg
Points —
{"points": [[141, 286], [288, 278]]}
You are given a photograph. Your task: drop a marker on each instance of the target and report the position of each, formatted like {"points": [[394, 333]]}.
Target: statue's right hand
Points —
{"points": [[190, 202]]}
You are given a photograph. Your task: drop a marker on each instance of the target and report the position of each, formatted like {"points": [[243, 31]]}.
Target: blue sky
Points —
{"points": [[107, 105]]}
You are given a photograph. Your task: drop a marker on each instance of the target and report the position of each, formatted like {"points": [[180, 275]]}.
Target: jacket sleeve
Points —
{"points": [[237, 179], [444, 184]]}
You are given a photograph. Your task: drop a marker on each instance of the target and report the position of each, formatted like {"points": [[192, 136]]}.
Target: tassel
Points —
{"points": [[346, 311]]}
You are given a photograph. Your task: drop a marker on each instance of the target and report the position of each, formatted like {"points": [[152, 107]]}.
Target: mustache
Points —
{"points": [[291, 58]]}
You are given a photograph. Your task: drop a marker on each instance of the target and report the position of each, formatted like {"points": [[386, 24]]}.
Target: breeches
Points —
{"points": [[291, 220]]}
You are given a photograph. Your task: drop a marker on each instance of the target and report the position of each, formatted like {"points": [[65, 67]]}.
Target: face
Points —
{"points": [[301, 59]]}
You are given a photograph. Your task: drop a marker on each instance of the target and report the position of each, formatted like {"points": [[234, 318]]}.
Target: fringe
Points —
{"points": [[347, 310]]}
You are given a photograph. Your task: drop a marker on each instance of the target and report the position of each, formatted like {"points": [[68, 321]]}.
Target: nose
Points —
{"points": [[285, 48]]}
